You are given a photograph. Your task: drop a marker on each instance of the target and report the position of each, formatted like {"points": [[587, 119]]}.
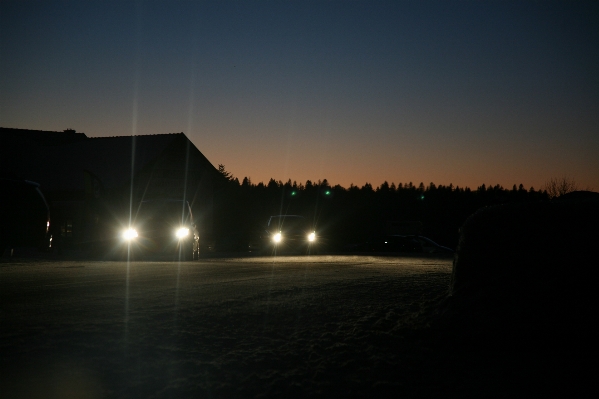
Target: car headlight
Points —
{"points": [[129, 234], [277, 237], [312, 237], [182, 232]]}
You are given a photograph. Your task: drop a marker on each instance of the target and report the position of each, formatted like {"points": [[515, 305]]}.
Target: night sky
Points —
{"points": [[462, 92]]}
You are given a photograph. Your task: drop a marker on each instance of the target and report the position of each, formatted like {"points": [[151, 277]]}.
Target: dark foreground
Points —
{"points": [[323, 326]]}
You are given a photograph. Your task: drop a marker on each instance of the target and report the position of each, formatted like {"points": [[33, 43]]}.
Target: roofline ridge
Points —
{"points": [[136, 135]]}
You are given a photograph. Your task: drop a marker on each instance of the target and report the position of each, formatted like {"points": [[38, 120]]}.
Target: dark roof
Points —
{"points": [[60, 167], [11, 136]]}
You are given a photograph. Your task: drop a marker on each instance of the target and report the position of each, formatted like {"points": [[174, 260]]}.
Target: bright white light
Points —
{"points": [[312, 237], [182, 232], [129, 234], [277, 237]]}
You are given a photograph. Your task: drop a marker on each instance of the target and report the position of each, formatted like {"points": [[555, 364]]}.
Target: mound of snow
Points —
{"points": [[527, 270]]}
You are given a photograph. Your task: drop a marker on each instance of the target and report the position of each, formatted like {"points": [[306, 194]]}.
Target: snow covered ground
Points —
{"points": [[327, 326]]}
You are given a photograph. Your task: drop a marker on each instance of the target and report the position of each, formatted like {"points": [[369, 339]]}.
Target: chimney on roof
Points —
{"points": [[70, 131]]}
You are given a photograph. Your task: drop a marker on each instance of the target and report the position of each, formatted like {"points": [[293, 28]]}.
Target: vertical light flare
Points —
{"points": [[134, 117], [189, 129], [181, 244], [130, 220]]}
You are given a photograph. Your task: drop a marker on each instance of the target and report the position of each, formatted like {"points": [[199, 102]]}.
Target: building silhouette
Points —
{"points": [[92, 183]]}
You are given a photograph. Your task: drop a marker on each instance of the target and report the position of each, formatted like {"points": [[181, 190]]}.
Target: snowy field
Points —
{"points": [[319, 326]]}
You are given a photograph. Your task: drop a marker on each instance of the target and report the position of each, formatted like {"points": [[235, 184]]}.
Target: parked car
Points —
{"points": [[163, 227], [24, 215], [431, 247], [289, 233], [402, 243]]}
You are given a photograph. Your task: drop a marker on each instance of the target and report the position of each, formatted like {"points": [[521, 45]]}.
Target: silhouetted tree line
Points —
{"points": [[355, 214]]}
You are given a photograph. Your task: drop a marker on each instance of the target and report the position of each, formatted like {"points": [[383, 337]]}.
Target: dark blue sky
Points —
{"points": [[462, 92]]}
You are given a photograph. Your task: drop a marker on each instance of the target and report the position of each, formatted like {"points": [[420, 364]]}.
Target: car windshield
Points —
{"points": [[287, 223], [164, 211], [426, 241]]}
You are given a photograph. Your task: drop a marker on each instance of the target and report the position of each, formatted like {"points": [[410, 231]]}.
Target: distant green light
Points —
{"points": [[422, 197], [327, 192], [293, 193]]}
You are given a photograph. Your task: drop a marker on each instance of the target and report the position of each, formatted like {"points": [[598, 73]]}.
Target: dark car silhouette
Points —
{"points": [[402, 244], [289, 233], [163, 227], [24, 215], [420, 243]]}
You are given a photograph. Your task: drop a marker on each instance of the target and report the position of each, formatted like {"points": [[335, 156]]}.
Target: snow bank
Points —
{"points": [[527, 271]]}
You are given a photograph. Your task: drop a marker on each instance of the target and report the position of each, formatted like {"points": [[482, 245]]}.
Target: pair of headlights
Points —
{"points": [[130, 234], [278, 237]]}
